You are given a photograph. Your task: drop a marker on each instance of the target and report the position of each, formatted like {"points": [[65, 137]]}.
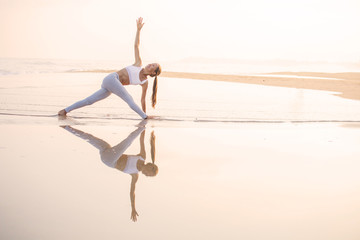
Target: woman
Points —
{"points": [[115, 157], [131, 75]]}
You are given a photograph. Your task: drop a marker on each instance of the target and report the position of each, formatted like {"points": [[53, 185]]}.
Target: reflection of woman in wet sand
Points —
{"points": [[114, 157]]}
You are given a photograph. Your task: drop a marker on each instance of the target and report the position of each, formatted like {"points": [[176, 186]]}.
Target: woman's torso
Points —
{"points": [[128, 163], [125, 78]]}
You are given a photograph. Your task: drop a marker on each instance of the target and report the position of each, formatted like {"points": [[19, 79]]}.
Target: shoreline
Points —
{"points": [[346, 84]]}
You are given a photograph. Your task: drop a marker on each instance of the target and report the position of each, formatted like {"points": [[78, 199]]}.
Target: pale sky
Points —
{"points": [[235, 29]]}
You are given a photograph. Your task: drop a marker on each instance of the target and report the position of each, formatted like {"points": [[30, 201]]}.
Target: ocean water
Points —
{"points": [[18, 66], [9, 66]]}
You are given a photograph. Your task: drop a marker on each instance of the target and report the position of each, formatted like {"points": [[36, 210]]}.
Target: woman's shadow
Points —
{"points": [[116, 158]]}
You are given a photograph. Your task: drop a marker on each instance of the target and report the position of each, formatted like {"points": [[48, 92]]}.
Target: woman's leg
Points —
{"points": [[96, 142], [113, 85], [111, 155], [95, 97]]}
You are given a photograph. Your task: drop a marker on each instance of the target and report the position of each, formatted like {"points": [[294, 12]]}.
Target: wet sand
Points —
{"points": [[256, 181]]}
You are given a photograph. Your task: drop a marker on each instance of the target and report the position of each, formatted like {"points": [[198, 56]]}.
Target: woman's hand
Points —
{"points": [[139, 23], [134, 215]]}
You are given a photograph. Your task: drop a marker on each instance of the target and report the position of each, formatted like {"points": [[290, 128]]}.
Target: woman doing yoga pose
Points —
{"points": [[115, 82]]}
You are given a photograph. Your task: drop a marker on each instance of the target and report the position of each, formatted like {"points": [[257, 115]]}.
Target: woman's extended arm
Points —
{"points": [[142, 146], [143, 96], [134, 214], [139, 25]]}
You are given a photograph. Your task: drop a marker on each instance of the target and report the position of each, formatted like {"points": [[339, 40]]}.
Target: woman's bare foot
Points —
{"points": [[62, 112]]}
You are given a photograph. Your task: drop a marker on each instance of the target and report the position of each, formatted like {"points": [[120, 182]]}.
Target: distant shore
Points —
{"points": [[347, 84]]}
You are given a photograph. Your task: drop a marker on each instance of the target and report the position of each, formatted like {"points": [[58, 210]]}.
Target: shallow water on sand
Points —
{"points": [[42, 95], [255, 181]]}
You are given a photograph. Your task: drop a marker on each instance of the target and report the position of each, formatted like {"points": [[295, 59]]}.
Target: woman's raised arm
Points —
{"points": [[139, 25]]}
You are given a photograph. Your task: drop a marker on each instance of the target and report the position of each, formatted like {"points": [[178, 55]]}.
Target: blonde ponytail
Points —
{"points": [[152, 144], [153, 97], [152, 168]]}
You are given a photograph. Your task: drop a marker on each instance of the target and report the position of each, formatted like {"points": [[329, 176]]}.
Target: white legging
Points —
{"points": [[110, 84]]}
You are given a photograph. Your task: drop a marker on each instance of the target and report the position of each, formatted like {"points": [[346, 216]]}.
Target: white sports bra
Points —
{"points": [[134, 78], [131, 163]]}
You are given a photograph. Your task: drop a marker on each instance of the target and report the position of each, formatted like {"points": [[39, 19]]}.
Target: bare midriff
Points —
{"points": [[123, 76]]}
